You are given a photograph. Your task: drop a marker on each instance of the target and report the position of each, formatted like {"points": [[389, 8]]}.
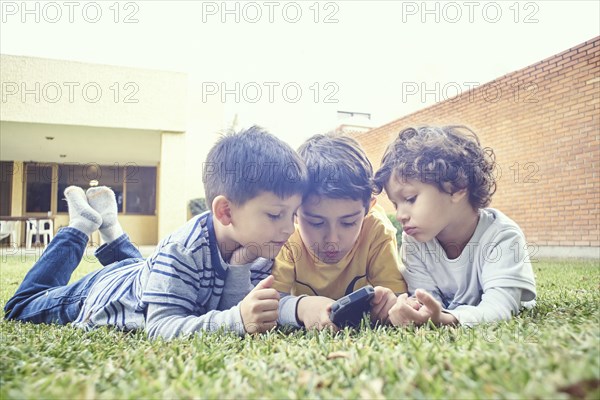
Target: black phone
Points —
{"points": [[350, 309]]}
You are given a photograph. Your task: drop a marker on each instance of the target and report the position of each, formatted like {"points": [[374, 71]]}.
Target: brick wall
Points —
{"points": [[543, 123]]}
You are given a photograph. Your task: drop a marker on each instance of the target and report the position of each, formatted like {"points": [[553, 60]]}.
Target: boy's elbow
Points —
{"points": [[158, 329], [152, 331], [505, 314]]}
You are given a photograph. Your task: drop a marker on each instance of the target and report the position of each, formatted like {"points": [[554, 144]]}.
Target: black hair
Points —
{"points": [[243, 164]]}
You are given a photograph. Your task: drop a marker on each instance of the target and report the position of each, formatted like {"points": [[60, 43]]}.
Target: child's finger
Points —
{"points": [[395, 315], [428, 300], [412, 301], [402, 298], [268, 316], [410, 313], [267, 294], [378, 295], [326, 323], [330, 325], [265, 283], [270, 325], [377, 308], [268, 305]]}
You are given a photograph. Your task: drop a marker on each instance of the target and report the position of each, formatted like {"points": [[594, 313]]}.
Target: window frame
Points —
{"points": [[54, 187]]}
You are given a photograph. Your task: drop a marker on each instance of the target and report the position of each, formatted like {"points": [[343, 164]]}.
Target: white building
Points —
{"points": [[145, 133]]}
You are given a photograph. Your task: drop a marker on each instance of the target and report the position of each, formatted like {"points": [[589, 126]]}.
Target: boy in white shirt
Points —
{"points": [[463, 263]]}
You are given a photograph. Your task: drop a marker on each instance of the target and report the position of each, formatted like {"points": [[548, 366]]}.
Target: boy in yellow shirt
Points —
{"points": [[343, 240]]}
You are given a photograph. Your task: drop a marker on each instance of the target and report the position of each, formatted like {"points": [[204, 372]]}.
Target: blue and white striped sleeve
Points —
{"points": [[173, 292]]}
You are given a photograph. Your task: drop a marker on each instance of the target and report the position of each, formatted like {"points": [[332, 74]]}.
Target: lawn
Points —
{"points": [[551, 351]]}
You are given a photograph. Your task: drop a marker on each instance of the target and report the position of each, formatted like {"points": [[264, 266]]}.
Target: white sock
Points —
{"points": [[103, 200], [81, 215]]}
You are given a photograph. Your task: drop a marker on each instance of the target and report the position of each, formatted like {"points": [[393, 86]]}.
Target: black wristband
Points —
{"points": [[298, 302]]}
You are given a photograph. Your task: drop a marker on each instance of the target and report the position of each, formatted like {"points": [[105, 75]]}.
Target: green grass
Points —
{"points": [[548, 352]]}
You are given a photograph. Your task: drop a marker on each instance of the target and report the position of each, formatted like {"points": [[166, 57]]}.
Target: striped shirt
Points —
{"points": [[176, 291]]}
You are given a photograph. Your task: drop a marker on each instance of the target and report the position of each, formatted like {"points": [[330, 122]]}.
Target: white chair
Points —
{"points": [[9, 228], [42, 227]]}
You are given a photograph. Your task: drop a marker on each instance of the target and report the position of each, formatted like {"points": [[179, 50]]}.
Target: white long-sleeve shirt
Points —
{"points": [[490, 280]]}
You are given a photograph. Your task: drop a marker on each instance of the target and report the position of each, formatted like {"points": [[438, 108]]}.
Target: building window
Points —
{"points": [[129, 182], [87, 175], [141, 197], [6, 179], [38, 190]]}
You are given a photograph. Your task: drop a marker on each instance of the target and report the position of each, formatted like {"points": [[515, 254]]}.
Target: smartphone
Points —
{"points": [[350, 309]]}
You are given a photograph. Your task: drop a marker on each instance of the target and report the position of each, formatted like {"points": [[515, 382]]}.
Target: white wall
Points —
{"points": [[66, 93], [165, 127]]}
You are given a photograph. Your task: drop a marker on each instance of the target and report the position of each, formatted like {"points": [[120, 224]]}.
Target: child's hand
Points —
{"points": [[407, 311], [383, 300], [259, 309], [313, 312], [413, 302]]}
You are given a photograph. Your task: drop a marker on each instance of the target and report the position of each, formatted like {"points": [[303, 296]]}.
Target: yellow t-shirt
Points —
{"points": [[372, 261]]}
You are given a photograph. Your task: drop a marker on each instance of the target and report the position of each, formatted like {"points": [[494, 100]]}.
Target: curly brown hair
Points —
{"points": [[450, 157]]}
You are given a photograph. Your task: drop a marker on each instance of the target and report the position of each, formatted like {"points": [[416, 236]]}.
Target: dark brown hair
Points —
{"points": [[337, 168], [450, 157]]}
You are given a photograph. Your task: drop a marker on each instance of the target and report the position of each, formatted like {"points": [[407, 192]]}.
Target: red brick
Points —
{"points": [[559, 133]]}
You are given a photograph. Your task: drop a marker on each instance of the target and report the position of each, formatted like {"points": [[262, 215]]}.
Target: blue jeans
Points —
{"points": [[45, 297]]}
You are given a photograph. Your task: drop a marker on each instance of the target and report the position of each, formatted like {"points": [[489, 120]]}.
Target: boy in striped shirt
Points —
{"points": [[213, 273]]}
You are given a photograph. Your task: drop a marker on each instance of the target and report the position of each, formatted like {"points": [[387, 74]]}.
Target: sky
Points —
{"points": [[290, 66]]}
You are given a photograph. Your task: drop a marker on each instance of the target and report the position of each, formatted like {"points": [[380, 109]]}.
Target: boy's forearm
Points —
{"points": [[168, 322], [288, 310], [496, 304]]}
